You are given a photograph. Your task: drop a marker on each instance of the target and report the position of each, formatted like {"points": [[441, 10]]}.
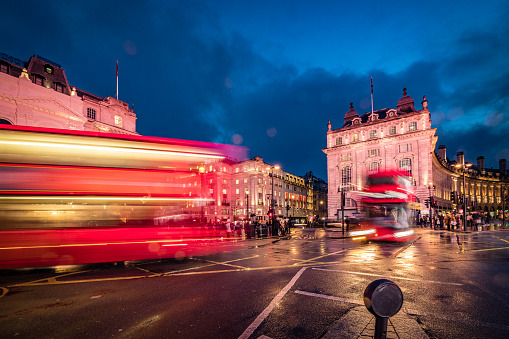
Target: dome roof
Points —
{"points": [[351, 113], [406, 104]]}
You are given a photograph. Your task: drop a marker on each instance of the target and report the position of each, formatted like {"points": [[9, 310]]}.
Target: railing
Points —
{"points": [[12, 60]]}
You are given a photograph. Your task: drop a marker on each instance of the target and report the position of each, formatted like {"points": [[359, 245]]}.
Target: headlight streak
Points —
{"points": [[403, 234], [363, 232]]}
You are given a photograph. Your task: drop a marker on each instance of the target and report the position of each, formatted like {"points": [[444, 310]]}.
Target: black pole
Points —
{"points": [[381, 327]]}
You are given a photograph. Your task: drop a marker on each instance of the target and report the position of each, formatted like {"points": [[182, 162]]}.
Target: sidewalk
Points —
{"points": [[359, 323]]}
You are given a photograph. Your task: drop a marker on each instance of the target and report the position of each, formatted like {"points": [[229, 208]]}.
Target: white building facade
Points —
{"points": [[36, 93], [403, 138]]}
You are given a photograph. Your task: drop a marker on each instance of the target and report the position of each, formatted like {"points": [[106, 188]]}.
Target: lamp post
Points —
{"points": [[464, 165], [272, 193], [430, 186], [201, 170]]}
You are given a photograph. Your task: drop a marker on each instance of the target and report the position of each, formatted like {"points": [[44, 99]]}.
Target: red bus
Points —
{"points": [[387, 207], [69, 197]]}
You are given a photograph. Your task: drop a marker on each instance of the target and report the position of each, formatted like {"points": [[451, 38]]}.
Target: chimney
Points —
{"points": [[480, 163], [442, 152], [502, 164], [460, 158]]}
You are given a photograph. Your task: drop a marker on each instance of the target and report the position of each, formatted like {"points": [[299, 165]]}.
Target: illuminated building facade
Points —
{"points": [[36, 93], [240, 189], [319, 201], [401, 138]]}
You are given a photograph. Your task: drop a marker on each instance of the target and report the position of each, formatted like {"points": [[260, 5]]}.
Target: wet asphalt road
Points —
{"points": [[454, 286]]}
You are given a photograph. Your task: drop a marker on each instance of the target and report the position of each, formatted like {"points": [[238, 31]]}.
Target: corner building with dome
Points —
{"points": [[403, 138]]}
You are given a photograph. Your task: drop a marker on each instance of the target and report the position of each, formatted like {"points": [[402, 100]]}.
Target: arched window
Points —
{"points": [[346, 178], [373, 167], [406, 165], [5, 122]]}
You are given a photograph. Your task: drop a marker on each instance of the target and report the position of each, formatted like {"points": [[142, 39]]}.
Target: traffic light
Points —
{"points": [[433, 202], [461, 199], [452, 196], [427, 203], [270, 213]]}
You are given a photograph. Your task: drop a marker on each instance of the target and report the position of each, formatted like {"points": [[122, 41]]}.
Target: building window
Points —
{"points": [[406, 165], [59, 87], [374, 167], [339, 141], [4, 68], [405, 148], [372, 134], [355, 137], [392, 130], [118, 120], [412, 126], [91, 113], [245, 180], [346, 157], [373, 152], [346, 178], [38, 80]]}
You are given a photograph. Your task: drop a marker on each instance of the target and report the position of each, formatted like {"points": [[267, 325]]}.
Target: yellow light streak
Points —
{"points": [[359, 238], [77, 198], [109, 149]]}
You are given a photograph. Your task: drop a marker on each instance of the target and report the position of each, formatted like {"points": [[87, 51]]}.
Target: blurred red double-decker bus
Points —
{"points": [[69, 197], [387, 201]]}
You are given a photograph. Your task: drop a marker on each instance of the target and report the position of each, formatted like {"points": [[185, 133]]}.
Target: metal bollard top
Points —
{"points": [[383, 298]]}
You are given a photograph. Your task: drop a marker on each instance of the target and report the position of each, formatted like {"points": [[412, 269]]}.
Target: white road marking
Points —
{"points": [[396, 278], [330, 297], [251, 328]]}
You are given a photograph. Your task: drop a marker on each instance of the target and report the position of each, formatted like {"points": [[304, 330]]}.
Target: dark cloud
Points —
{"points": [[190, 77]]}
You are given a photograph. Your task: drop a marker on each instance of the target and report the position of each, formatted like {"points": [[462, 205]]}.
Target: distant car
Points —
{"points": [[296, 224]]}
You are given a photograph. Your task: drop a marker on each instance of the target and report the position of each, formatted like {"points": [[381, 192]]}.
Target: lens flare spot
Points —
{"points": [[271, 132], [130, 47], [153, 247], [237, 139], [228, 82], [365, 103]]}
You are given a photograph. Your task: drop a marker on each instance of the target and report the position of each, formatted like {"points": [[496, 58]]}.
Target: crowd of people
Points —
{"points": [[249, 230], [454, 221]]}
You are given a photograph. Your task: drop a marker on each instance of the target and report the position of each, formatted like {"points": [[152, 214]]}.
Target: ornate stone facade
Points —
{"points": [[400, 138], [36, 93]]}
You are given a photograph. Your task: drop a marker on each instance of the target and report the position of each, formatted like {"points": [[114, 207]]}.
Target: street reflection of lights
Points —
{"points": [[363, 232], [403, 234]]}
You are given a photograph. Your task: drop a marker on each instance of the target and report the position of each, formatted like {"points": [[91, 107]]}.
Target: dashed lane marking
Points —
{"points": [[322, 256], [396, 278], [330, 297]]}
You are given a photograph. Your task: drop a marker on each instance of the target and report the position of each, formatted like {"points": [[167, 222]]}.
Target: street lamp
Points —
{"points": [[431, 186], [464, 165], [272, 193]]}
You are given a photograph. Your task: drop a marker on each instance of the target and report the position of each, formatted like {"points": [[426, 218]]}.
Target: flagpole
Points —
{"points": [[117, 82], [371, 95]]}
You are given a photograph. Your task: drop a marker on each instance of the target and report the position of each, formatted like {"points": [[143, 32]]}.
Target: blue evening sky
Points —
{"points": [[268, 75]]}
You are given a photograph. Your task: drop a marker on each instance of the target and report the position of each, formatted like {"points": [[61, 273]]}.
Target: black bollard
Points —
{"points": [[383, 299]]}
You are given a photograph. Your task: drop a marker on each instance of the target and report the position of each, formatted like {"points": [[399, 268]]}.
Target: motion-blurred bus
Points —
{"points": [[387, 202], [69, 197]]}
